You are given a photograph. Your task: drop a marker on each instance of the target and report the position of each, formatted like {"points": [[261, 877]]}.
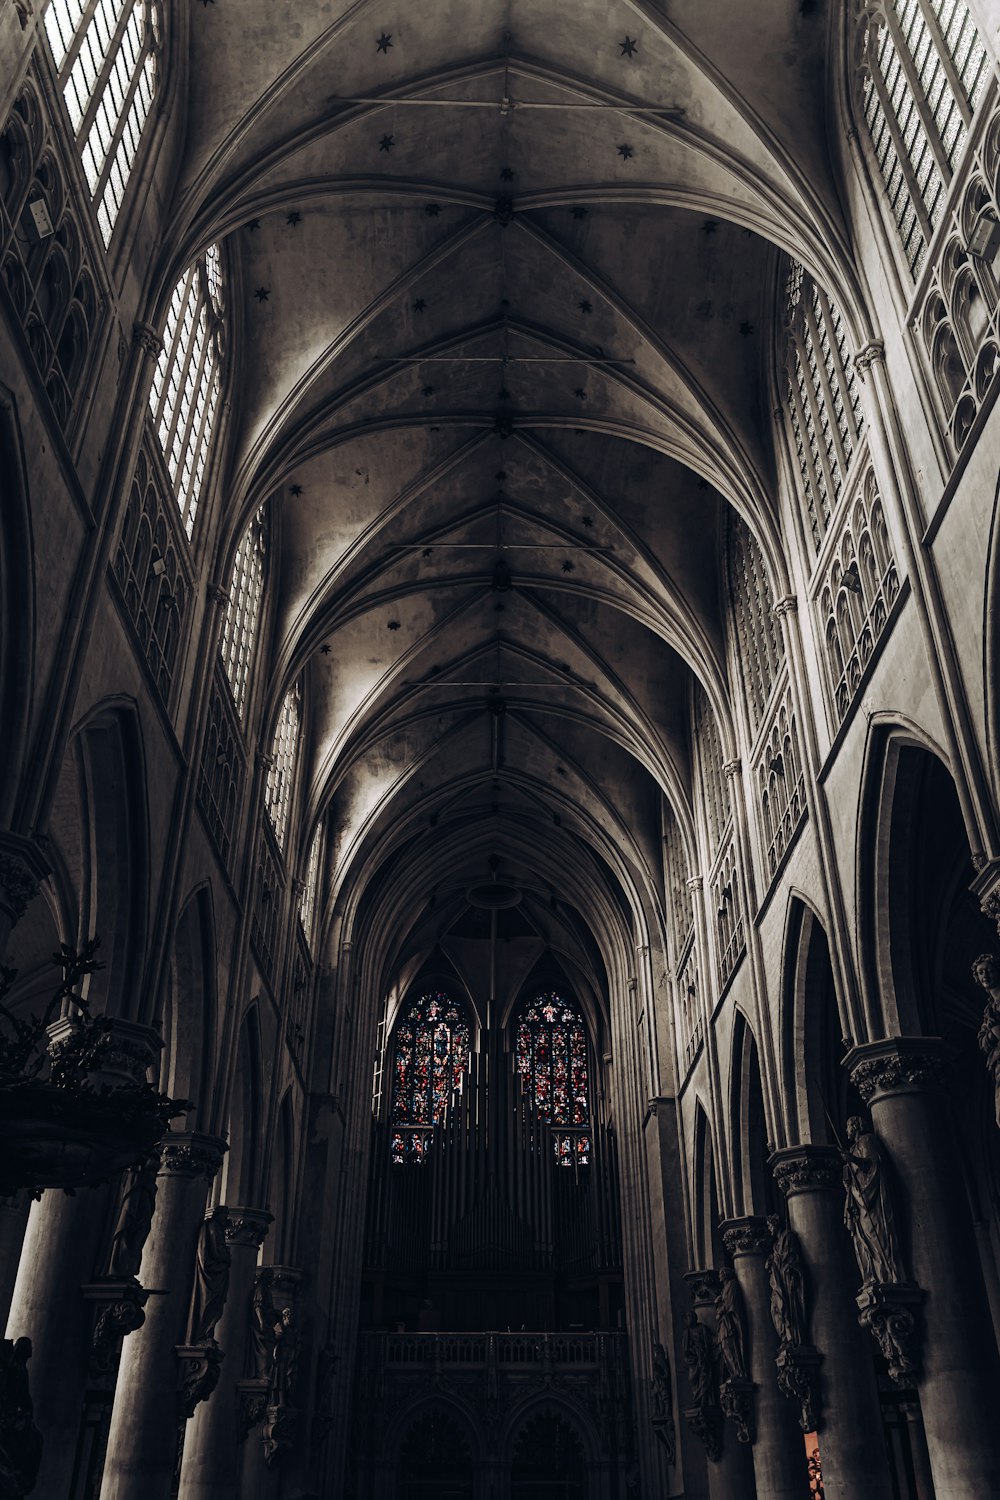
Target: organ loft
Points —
{"points": [[499, 749]]}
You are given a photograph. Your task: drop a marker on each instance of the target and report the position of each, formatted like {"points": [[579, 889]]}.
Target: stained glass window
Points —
{"points": [[431, 1053], [243, 600], [281, 771], [551, 1043], [184, 395], [105, 52]]}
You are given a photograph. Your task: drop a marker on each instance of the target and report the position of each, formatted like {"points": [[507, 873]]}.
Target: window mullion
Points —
{"points": [[917, 90], [119, 130], [828, 396], [947, 61], [100, 84], [817, 421], [64, 68], [182, 373], [840, 369]]}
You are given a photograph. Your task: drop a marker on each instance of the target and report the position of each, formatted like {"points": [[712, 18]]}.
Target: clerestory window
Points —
{"points": [[184, 395], [430, 1056], [309, 894], [105, 53], [281, 771], [551, 1042], [243, 604]]}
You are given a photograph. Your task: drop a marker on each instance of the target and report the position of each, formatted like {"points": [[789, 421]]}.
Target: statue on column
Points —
{"points": [[211, 1283], [662, 1400], [285, 1359], [786, 1278], [729, 1325], [135, 1216], [703, 1415], [986, 972], [20, 1439], [869, 1213], [263, 1317]]}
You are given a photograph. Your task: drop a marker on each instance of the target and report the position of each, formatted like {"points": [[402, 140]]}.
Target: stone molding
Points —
{"points": [[786, 605], [247, 1226], [198, 1369], [898, 1065], [732, 768], [889, 1311], [146, 338], [867, 355], [807, 1169], [707, 1428], [750, 1235], [696, 883], [191, 1155]]}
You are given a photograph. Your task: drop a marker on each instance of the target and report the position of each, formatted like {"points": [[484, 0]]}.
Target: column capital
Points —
{"points": [[866, 356], [696, 883], [146, 338], [191, 1154], [703, 1286], [807, 1169], [22, 869], [986, 887], [786, 605], [898, 1065], [247, 1226], [750, 1235], [731, 768]]}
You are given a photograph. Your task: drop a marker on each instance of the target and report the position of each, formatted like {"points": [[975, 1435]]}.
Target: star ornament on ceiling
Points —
{"points": [[386, 142], [384, 42], [629, 47], [419, 304], [625, 151], [295, 489], [262, 293]]}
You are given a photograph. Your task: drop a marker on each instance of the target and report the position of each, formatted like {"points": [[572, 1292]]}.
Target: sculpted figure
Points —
{"points": [[662, 1383], [986, 972], [262, 1320], [786, 1276], [729, 1325], [285, 1360], [868, 1207], [696, 1347], [134, 1218], [211, 1282], [20, 1439]]}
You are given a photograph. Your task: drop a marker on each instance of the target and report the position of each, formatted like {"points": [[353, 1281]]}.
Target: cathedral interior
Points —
{"points": [[499, 749]]}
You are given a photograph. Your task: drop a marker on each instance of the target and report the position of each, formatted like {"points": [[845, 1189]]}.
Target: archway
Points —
{"points": [[435, 1460], [547, 1461]]}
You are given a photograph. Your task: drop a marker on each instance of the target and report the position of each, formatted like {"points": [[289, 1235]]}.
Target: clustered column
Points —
{"points": [[142, 1442]]}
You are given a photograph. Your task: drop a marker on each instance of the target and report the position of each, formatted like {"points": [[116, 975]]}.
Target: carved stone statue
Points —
{"points": [[869, 1212], [729, 1325], [786, 1276], [285, 1360], [696, 1347], [134, 1219], [263, 1317], [20, 1439], [211, 1281], [662, 1384], [986, 972]]}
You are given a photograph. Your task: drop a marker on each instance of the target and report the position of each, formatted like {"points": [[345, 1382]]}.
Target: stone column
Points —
{"points": [[142, 1442], [62, 1246], [13, 1223], [779, 1454], [851, 1440], [902, 1080], [210, 1470], [730, 1465]]}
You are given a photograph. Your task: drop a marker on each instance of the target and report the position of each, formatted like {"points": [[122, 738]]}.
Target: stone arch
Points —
{"points": [[554, 1433], [17, 607], [418, 1433], [281, 1181], [189, 1010], [706, 1236], [816, 1087], [753, 1185], [246, 1114]]}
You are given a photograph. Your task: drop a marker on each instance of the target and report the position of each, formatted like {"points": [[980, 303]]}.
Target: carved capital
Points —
{"points": [[798, 1379], [119, 1307], [252, 1397], [122, 1056], [696, 883], [22, 869], [898, 1065], [216, 594], [748, 1236], [736, 1400], [199, 1368], [808, 1169], [786, 605], [889, 1311], [731, 768], [703, 1286], [247, 1226], [707, 1428], [279, 1432], [146, 338], [866, 356], [191, 1155], [986, 887]]}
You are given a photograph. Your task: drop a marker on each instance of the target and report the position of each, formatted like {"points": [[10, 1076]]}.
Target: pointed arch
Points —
{"points": [[246, 1113], [17, 606], [281, 1181], [816, 1087], [706, 1235], [753, 1185], [190, 1010]]}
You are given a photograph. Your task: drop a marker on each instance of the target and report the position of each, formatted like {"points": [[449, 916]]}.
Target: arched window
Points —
{"points": [[551, 1042], [921, 72], [239, 627], [548, 1462], [430, 1055], [435, 1462], [822, 397], [184, 394], [105, 53], [281, 771], [758, 640], [310, 886]]}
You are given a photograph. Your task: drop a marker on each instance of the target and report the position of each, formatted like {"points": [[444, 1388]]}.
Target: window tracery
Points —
{"points": [[243, 602], [780, 783], [430, 1057], [822, 397], [48, 277], [758, 639], [281, 771], [681, 910], [220, 785], [728, 896], [551, 1053], [921, 71], [184, 394], [151, 576], [310, 886], [105, 53], [716, 790]]}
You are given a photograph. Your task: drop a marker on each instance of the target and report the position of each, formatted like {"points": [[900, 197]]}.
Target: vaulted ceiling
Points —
{"points": [[506, 276]]}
